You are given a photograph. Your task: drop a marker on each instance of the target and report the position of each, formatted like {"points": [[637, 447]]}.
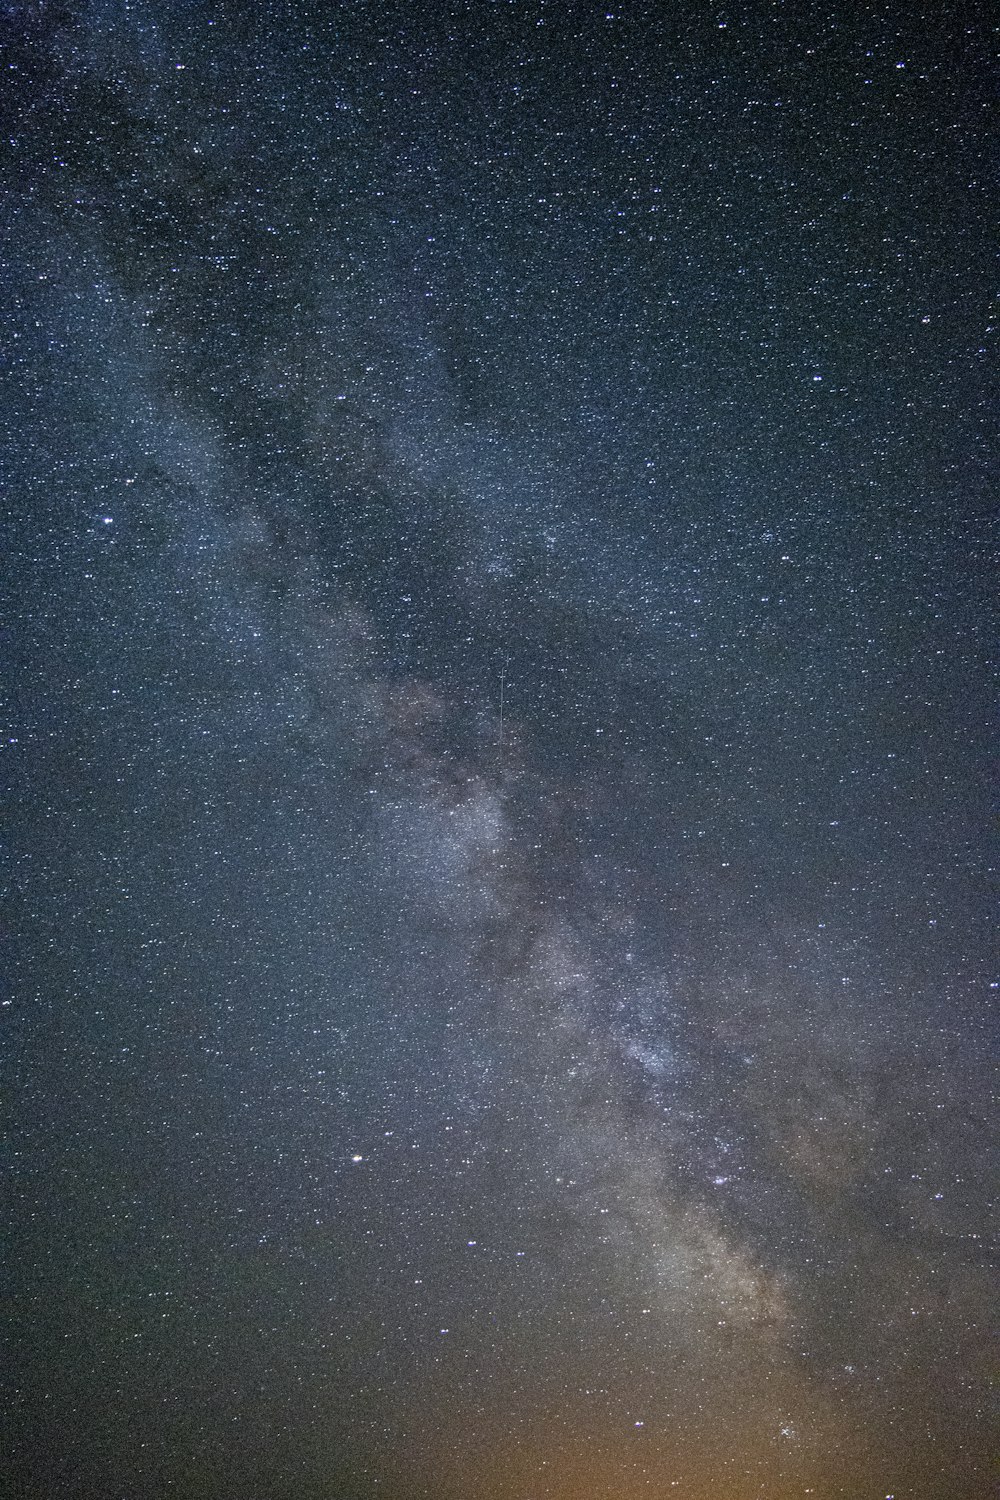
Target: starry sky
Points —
{"points": [[498, 542]]}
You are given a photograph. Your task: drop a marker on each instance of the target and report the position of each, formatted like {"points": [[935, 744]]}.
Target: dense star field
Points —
{"points": [[498, 524]]}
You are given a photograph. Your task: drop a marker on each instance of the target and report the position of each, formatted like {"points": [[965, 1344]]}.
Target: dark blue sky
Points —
{"points": [[404, 1104]]}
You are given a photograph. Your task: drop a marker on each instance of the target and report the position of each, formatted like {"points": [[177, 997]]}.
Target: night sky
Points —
{"points": [[498, 551]]}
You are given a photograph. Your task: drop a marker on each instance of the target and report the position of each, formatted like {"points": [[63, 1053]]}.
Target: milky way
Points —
{"points": [[498, 564]]}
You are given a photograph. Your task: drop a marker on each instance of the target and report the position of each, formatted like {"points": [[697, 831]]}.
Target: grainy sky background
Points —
{"points": [[498, 577]]}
